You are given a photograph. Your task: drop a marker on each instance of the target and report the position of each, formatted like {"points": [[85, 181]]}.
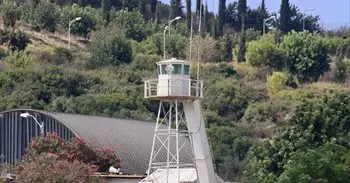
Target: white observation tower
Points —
{"points": [[179, 126]]}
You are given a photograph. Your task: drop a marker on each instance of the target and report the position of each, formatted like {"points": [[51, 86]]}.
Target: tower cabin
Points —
{"points": [[174, 82]]}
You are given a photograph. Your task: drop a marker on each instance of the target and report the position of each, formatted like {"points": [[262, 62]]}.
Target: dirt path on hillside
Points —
{"points": [[58, 38]]}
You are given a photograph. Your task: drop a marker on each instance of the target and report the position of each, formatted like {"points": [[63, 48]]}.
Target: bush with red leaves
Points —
{"points": [[74, 150], [49, 168]]}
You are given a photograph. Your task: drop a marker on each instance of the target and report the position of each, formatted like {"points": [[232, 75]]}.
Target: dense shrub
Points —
{"points": [[60, 56], [9, 13], [46, 16], [207, 47], [330, 163], [40, 15], [75, 150], [109, 48], [228, 98], [19, 60], [275, 83], [175, 45], [306, 55], [48, 168], [229, 149], [313, 124], [90, 19], [145, 62], [14, 39], [264, 52], [133, 24], [266, 112]]}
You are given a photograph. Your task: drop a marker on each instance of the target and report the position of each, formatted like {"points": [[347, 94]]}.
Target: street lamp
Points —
{"points": [[168, 28], [311, 9], [69, 25], [173, 20], [41, 125], [264, 25]]}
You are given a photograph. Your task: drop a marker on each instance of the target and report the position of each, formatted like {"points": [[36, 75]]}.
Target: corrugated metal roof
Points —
{"points": [[130, 139]]}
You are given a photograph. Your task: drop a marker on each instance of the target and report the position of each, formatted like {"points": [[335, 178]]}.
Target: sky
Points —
{"points": [[333, 13]]}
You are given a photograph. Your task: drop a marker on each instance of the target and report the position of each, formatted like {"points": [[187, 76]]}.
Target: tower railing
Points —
{"points": [[187, 88]]}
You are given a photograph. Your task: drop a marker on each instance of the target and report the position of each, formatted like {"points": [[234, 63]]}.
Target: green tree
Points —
{"points": [[142, 8], [306, 55], [228, 46], [228, 98], [90, 19], [330, 163], [285, 16], [188, 14], [9, 12], [263, 13], [154, 8], [176, 9], [14, 39], [206, 20], [221, 17], [198, 6], [232, 17], [106, 8], [133, 25], [313, 124], [265, 53], [242, 43], [45, 16], [340, 70], [242, 10], [109, 47]]}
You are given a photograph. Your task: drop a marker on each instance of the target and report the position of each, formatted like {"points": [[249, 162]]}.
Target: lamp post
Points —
{"points": [[311, 9], [168, 28], [69, 25], [41, 125], [264, 25]]}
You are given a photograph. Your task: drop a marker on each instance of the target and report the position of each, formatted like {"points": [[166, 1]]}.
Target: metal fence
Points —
{"points": [[192, 88]]}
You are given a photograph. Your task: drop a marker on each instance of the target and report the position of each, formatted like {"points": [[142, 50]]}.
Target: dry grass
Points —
{"points": [[323, 86]]}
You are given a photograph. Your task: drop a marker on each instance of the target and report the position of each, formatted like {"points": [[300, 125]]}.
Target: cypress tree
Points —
{"points": [[198, 6], [142, 7], [206, 19], [263, 13], [228, 56], [124, 4], [188, 14], [221, 17], [242, 10], [242, 42], [242, 7], [154, 8], [106, 8], [175, 8], [285, 18]]}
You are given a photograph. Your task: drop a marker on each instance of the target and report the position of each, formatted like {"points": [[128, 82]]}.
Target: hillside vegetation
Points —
{"points": [[275, 104]]}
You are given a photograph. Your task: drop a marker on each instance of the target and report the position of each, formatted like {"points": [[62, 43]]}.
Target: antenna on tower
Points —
{"points": [[199, 34], [191, 36]]}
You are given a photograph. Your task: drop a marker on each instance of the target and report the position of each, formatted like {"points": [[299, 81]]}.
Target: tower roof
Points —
{"points": [[174, 61]]}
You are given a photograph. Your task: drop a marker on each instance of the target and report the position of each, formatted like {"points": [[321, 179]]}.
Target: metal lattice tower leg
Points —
{"points": [[172, 140]]}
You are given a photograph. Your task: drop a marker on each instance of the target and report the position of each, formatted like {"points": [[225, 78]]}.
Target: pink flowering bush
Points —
{"points": [[48, 168], [75, 150], [105, 158]]}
